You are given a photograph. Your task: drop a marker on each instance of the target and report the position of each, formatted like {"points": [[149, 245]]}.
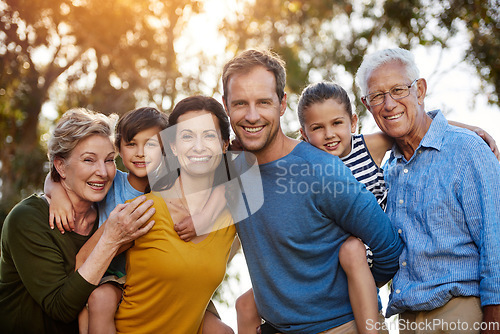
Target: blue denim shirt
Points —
{"points": [[445, 203]]}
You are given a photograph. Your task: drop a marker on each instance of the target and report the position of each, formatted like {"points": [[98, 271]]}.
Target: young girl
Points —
{"points": [[328, 123], [140, 148]]}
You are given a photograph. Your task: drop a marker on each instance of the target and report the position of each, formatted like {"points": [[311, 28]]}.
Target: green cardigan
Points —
{"points": [[40, 292]]}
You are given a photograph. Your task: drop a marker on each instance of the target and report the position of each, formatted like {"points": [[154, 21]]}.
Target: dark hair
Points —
{"points": [[195, 103], [320, 92], [138, 120], [249, 59], [198, 102]]}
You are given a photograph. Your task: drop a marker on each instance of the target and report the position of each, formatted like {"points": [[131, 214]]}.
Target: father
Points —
{"points": [[444, 199], [292, 243]]}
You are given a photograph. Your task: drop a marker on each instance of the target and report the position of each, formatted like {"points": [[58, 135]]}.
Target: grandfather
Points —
{"points": [[444, 199]]}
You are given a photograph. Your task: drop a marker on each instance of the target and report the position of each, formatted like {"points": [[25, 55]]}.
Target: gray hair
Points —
{"points": [[375, 60], [74, 126]]}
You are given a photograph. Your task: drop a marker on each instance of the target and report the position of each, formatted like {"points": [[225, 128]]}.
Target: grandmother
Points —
{"points": [[40, 290]]}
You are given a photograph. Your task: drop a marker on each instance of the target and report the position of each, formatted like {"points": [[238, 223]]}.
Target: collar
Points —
{"points": [[433, 137]]}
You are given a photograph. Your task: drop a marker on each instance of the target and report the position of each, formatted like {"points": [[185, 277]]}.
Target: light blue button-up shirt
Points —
{"points": [[445, 203]]}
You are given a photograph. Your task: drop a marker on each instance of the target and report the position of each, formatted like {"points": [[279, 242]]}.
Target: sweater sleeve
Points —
{"points": [[45, 264], [356, 210]]}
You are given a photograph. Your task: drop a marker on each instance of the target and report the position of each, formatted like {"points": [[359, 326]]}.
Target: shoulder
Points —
{"points": [[307, 153], [31, 213], [120, 177]]}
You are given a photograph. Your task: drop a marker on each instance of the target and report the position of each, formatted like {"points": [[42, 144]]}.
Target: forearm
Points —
{"points": [[98, 261]]}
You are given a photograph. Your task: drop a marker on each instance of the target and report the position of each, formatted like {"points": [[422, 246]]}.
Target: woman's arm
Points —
{"points": [[125, 224]]}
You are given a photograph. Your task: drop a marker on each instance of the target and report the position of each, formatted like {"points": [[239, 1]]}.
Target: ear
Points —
{"points": [[225, 145], [303, 134], [174, 150], [283, 105], [421, 90], [60, 166], [224, 102], [366, 105], [354, 122]]}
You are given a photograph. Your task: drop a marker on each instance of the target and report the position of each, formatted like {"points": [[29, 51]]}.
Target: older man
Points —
{"points": [[444, 199], [292, 242]]}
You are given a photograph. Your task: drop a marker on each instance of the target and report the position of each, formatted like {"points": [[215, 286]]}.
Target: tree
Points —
{"points": [[323, 39], [102, 55]]}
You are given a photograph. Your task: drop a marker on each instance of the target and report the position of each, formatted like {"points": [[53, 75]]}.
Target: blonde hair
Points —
{"points": [[74, 126]]}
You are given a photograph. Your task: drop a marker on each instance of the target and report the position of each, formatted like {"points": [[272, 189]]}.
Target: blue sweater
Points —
{"points": [[312, 204]]}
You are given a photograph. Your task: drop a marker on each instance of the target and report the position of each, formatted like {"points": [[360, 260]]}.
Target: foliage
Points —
{"points": [[106, 56], [113, 55]]}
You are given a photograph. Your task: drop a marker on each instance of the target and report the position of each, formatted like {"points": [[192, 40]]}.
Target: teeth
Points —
{"points": [[394, 117], [96, 184], [332, 144], [253, 130], [201, 159]]}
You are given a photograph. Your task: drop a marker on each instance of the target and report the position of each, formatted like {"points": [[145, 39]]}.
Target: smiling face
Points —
{"points": [[401, 118], [328, 126], [254, 108], [198, 145], [89, 171], [140, 156]]}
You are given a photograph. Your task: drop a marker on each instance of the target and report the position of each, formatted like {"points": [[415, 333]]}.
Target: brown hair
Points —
{"points": [[249, 59]]}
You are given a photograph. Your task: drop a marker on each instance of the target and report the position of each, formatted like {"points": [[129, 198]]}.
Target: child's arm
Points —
{"points": [[60, 208], [201, 223], [379, 143], [481, 133]]}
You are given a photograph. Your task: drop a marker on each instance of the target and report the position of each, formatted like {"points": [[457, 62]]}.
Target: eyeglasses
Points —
{"points": [[396, 92]]}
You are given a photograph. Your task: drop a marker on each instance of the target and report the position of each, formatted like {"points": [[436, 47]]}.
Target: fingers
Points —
{"points": [[51, 220], [59, 224]]}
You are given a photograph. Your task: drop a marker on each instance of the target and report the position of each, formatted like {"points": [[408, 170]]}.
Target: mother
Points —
{"points": [[169, 281], [40, 291]]}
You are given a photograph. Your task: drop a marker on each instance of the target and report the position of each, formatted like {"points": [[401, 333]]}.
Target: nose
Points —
{"points": [[101, 170], [252, 114], [329, 132], [389, 102], [199, 145], [140, 151]]}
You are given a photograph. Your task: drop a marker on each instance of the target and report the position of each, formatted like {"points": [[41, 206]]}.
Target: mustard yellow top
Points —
{"points": [[169, 281]]}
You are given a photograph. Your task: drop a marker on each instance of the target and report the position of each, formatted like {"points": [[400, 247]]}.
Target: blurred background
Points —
{"points": [[113, 56]]}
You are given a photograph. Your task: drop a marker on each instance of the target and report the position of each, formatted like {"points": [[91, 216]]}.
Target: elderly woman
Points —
{"points": [[40, 291]]}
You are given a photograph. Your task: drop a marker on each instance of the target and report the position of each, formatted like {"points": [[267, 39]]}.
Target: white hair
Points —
{"points": [[375, 60]]}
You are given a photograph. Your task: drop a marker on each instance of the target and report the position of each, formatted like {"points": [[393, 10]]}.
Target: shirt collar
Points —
{"points": [[434, 136]]}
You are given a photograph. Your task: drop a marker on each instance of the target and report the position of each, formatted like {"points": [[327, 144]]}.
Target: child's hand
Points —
{"points": [[489, 140], [185, 229], [60, 208], [62, 216]]}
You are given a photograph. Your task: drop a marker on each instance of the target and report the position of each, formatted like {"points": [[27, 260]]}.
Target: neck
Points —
{"points": [[85, 214], [409, 143], [138, 183], [195, 191], [277, 149]]}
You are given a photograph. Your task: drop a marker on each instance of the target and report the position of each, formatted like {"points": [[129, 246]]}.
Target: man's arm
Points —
{"points": [[356, 210], [479, 194]]}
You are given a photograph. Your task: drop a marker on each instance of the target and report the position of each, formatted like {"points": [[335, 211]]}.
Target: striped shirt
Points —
{"points": [[365, 170]]}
